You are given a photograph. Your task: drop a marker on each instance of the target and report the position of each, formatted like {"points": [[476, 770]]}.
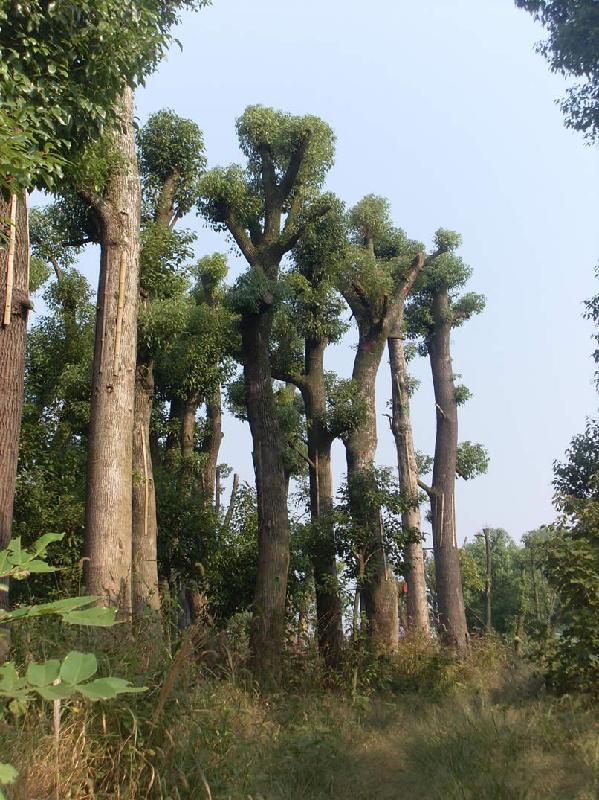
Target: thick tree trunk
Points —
{"points": [[379, 591], [268, 625], [145, 527], [212, 445], [14, 308], [109, 476], [329, 622], [401, 425], [452, 618]]}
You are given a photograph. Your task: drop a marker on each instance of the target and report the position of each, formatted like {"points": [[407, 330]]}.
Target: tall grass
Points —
{"points": [[424, 725]]}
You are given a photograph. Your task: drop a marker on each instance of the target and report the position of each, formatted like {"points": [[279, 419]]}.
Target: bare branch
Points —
{"points": [[295, 163]]}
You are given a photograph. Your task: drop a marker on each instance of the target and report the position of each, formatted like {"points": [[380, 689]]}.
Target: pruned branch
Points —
{"points": [[288, 242], [295, 163], [425, 487], [242, 240]]}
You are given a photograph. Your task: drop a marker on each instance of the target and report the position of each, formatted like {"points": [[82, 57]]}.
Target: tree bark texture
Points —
{"points": [[329, 621], [401, 425], [145, 527], [108, 529], [14, 308], [379, 592], [452, 618], [212, 445], [268, 625]]}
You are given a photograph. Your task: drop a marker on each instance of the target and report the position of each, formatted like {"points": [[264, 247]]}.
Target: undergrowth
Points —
{"points": [[424, 724]]}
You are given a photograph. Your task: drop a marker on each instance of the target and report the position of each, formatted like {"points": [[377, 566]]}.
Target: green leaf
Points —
{"points": [[42, 543], [43, 674], [9, 677], [58, 692], [37, 566], [8, 774], [97, 617], [108, 688], [78, 667]]}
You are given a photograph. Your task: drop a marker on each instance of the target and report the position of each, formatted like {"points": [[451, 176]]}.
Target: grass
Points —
{"points": [[427, 726]]}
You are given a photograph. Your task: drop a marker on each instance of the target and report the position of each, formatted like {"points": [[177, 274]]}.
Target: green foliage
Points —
{"points": [[52, 679], [49, 109], [346, 409], [506, 560], [53, 446], [261, 127], [372, 495], [171, 148], [572, 567], [472, 460], [445, 272], [571, 50]]}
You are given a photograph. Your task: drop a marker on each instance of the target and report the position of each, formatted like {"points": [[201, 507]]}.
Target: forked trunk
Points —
{"points": [[450, 598], [14, 308], [401, 425], [268, 625], [108, 525], [379, 590], [145, 528]]}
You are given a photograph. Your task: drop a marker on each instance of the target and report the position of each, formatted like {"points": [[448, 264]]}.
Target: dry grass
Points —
{"points": [[494, 736]]}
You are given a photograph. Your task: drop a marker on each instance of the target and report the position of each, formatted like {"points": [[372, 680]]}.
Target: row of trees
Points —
{"points": [[277, 322]]}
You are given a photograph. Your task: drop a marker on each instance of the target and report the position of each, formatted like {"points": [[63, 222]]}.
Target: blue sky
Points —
{"points": [[444, 108]]}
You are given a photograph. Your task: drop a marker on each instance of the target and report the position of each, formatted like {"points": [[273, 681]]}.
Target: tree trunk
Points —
{"points": [[489, 619], [108, 528], [329, 622], [452, 618], [379, 589], [145, 527], [212, 445], [268, 624], [401, 425], [14, 308]]}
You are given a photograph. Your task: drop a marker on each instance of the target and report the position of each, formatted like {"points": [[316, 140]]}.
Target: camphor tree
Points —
{"points": [[50, 111], [171, 160], [435, 310], [265, 207], [401, 426], [572, 49], [379, 273], [308, 321]]}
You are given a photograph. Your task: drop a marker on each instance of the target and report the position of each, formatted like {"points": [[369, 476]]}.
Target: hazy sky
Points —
{"points": [[446, 109]]}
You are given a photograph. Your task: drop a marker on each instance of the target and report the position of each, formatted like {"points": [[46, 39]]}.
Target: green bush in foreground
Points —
{"points": [[52, 680]]}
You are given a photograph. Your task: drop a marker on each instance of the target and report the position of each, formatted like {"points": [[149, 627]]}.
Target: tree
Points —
{"points": [[571, 565], [265, 207], [401, 426], [435, 311], [171, 159], [572, 49], [50, 111], [305, 325], [378, 276]]}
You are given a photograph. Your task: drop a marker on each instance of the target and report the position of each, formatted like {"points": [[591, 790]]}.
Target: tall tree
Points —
{"points": [[572, 49], [436, 310], [116, 209], [171, 159], [14, 308], [49, 112], [378, 276], [401, 426], [265, 207], [307, 323]]}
